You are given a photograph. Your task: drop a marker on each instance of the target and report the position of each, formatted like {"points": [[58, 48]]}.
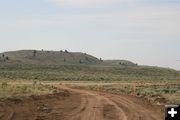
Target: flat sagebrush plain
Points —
{"points": [[159, 92], [86, 72]]}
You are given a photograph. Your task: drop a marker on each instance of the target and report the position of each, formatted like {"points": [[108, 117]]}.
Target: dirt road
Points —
{"points": [[78, 104]]}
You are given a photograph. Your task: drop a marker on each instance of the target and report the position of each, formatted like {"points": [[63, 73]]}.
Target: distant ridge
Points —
{"points": [[47, 57], [56, 58], [65, 65]]}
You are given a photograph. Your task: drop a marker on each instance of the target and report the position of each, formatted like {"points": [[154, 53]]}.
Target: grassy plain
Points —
{"points": [[153, 83], [160, 92], [86, 72]]}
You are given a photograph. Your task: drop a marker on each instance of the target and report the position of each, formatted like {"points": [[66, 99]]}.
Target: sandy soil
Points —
{"points": [[79, 104]]}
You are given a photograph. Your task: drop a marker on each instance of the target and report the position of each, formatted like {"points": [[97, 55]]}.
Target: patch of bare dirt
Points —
{"points": [[46, 107]]}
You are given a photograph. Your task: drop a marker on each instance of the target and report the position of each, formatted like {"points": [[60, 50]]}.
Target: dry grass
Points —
{"points": [[168, 90], [19, 88], [159, 91]]}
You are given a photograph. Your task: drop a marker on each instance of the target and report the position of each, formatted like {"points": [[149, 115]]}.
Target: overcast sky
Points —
{"points": [[146, 32]]}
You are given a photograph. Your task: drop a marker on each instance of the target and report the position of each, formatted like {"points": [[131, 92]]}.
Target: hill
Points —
{"points": [[56, 58], [64, 65], [47, 57]]}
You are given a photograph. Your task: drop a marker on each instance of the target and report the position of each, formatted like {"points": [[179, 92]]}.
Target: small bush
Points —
{"points": [[4, 84]]}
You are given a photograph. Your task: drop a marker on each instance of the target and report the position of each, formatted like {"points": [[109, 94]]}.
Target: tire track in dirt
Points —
{"points": [[79, 105], [115, 107], [136, 111], [98, 107]]}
